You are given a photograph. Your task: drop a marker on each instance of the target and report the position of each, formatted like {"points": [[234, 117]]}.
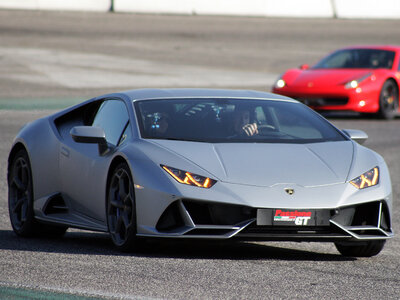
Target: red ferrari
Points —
{"points": [[364, 79]]}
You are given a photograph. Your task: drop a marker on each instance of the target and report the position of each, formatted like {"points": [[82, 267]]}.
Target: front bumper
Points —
{"points": [[335, 98], [207, 220]]}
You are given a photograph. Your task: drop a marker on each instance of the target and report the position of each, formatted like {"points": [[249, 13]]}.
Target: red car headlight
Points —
{"points": [[280, 83], [352, 84]]}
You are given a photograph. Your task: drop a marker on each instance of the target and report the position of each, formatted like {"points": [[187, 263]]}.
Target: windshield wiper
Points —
{"points": [[184, 139]]}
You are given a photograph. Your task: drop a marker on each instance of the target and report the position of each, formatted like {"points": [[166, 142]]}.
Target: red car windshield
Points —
{"points": [[357, 59]]}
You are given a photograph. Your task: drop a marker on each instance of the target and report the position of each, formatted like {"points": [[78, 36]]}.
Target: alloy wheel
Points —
{"points": [[20, 194], [388, 100], [121, 209]]}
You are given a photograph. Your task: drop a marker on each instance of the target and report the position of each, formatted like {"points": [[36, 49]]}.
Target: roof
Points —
{"points": [[380, 47], [142, 94]]}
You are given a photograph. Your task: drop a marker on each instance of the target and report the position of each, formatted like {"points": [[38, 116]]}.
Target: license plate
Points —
{"points": [[293, 217]]}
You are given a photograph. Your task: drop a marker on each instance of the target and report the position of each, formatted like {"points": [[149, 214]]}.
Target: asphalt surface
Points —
{"points": [[51, 60]]}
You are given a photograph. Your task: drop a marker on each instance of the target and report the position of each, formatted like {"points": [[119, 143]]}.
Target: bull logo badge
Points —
{"points": [[289, 191]]}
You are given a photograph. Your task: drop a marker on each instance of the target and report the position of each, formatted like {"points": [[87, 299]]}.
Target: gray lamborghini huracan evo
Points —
{"points": [[199, 164]]}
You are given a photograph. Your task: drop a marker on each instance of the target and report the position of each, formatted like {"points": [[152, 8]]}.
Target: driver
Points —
{"points": [[160, 123], [242, 125]]}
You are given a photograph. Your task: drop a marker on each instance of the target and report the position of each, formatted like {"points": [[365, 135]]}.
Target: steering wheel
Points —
{"points": [[265, 128]]}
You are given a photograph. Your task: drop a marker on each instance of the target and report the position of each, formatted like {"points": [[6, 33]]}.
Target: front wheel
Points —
{"points": [[361, 249], [388, 100], [121, 211], [20, 195]]}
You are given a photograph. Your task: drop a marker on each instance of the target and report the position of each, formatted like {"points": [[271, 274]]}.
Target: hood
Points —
{"points": [[269, 164], [326, 77]]}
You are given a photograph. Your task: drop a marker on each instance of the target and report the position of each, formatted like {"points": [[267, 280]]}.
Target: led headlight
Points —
{"points": [[356, 82], [369, 178], [188, 178]]}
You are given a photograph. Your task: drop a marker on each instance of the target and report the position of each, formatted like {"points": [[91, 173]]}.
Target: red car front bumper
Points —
{"points": [[338, 98]]}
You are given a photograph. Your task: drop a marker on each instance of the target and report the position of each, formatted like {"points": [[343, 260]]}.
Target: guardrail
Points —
{"points": [[378, 9]]}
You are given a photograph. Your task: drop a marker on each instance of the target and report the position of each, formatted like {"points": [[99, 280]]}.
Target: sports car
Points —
{"points": [[199, 164], [363, 79]]}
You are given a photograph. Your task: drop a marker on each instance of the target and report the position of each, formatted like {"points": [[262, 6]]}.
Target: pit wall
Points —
{"points": [[69, 5], [344, 9]]}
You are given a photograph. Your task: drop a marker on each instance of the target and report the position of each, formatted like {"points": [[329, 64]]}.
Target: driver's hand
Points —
{"points": [[250, 129]]}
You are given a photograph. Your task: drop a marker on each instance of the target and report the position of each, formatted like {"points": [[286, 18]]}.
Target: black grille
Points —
{"points": [[55, 205], [208, 213], [323, 101], [363, 214], [170, 219]]}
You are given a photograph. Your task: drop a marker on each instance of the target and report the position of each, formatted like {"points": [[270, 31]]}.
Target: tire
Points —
{"points": [[388, 100], [121, 209], [20, 201], [20, 195], [367, 249]]}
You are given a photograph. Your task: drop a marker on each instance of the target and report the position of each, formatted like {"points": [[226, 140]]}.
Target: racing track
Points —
{"points": [[63, 56]]}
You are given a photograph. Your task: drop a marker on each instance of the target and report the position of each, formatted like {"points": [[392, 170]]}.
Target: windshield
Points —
{"points": [[357, 59], [232, 120]]}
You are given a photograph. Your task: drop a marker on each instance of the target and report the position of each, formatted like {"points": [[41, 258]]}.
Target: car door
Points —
{"points": [[84, 170]]}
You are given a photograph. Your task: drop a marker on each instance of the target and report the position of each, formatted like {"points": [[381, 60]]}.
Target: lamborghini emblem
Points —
{"points": [[289, 191]]}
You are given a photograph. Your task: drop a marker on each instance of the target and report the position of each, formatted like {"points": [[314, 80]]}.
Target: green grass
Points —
{"points": [[10, 293], [43, 103]]}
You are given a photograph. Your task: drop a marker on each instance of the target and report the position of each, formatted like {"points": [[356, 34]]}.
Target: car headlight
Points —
{"points": [[188, 178], [280, 83], [369, 178], [356, 82]]}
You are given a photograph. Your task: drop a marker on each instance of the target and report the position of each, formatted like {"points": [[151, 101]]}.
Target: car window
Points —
{"points": [[341, 59], [113, 118], [358, 59], [233, 120]]}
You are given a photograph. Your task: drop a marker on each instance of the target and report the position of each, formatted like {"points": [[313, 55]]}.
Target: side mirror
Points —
{"points": [[90, 135], [304, 67], [357, 135]]}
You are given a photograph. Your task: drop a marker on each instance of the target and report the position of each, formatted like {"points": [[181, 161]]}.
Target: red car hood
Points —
{"points": [[326, 77]]}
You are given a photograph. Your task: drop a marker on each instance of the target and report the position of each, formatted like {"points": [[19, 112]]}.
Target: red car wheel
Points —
{"points": [[389, 100]]}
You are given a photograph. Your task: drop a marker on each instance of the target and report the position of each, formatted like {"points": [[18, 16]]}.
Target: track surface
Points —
{"points": [[47, 55]]}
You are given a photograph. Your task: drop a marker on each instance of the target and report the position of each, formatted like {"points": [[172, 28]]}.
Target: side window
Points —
{"points": [[112, 117], [260, 116]]}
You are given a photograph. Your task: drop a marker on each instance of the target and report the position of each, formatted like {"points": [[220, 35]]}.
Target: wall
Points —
{"points": [[261, 8], [364, 9], [367, 9], [378, 9], [72, 5]]}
